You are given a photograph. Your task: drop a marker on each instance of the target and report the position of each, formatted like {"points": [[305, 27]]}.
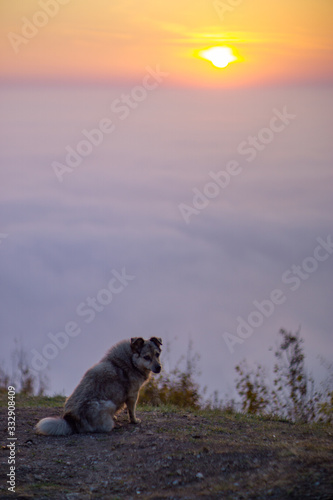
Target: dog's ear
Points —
{"points": [[157, 341], [137, 344]]}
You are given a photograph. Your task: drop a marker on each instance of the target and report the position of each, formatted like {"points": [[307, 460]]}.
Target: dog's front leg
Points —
{"points": [[131, 404]]}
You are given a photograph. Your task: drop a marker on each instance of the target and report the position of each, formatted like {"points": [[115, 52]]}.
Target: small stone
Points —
{"points": [[199, 475]]}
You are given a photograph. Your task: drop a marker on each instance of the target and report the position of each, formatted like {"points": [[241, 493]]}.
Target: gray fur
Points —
{"points": [[106, 387], [53, 426]]}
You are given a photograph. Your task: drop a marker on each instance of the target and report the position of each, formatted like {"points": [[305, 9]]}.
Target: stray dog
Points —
{"points": [[104, 389]]}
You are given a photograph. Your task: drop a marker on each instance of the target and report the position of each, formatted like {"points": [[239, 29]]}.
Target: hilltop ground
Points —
{"points": [[172, 454]]}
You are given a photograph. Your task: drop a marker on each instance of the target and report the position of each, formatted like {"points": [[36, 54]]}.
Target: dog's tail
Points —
{"points": [[52, 426]]}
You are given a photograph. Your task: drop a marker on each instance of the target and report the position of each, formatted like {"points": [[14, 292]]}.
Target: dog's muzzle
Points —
{"points": [[156, 368]]}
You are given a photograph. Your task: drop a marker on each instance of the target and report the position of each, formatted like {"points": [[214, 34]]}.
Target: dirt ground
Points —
{"points": [[170, 455]]}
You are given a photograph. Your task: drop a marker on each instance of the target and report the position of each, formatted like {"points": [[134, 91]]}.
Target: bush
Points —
{"points": [[177, 388], [292, 394], [22, 377], [252, 388]]}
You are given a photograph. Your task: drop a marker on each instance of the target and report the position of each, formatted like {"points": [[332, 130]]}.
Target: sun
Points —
{"points": [[220, 57]]}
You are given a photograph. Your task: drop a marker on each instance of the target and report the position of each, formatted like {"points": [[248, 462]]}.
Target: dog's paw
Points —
{"points": [[135, 421]]}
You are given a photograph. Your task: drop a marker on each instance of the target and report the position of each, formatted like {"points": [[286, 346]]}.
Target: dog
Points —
{"points": [[106, 388]]}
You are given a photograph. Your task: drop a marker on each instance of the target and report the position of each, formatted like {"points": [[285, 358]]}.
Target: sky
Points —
{"points": [[278, 41], [145, 191]]}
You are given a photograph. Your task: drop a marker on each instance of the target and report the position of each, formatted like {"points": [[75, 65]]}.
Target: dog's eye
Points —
{"points": [[147, 358], [157, 354]]}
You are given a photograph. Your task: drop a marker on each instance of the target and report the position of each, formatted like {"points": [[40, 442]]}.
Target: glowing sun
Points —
{"points": [[220, 57]]}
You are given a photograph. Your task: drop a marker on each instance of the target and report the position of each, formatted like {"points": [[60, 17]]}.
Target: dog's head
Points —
{"points": [[146, 353]]}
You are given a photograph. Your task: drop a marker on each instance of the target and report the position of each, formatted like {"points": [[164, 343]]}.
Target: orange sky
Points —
{"points": [[279, 41]]}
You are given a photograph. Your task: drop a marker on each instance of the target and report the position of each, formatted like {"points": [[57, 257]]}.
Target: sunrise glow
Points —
{"points": [[220, 57], [114, 42]]}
